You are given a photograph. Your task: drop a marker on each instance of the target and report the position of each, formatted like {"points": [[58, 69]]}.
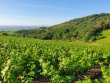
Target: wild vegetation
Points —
{"points": [[86, 28]]}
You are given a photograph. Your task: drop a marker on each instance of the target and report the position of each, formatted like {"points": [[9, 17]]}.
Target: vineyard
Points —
{"points": [[26, 60]]}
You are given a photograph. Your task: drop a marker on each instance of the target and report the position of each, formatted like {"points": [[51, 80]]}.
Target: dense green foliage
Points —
{"points": [[35, 33], [7, 33], [25, 59], [86, 28]]}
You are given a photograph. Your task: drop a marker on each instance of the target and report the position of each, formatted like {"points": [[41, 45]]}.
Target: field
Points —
{"points": [[25, 60]]}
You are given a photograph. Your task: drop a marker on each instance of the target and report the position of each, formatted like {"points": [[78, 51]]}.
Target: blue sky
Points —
{"points": [[48, 12]]}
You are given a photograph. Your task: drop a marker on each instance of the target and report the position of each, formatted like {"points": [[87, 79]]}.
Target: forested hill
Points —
{"points": [[85, 28]]}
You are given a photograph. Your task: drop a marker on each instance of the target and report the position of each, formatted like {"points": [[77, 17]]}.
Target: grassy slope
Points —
{"points": [[105, 41], [106, 33], [101, 42]]}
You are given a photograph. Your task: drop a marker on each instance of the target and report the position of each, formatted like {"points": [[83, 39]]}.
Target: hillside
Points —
{"points": [[106, 40], [85, 28]]}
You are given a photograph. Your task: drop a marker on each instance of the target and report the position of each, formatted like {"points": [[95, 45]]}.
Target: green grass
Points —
{"points": [[106, 33], [105, 41]]}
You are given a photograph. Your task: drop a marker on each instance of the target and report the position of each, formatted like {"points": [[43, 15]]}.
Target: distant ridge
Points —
{"points": [[10, 28]]}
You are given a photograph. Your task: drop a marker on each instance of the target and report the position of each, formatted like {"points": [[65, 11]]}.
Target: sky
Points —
{"points": [[48, 12]]}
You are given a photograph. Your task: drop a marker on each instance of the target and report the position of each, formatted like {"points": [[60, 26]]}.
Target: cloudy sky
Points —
{"points": [[48, 12]]}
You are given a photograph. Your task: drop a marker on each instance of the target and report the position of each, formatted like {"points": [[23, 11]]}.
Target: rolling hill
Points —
{"points": [[86, 28]]}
